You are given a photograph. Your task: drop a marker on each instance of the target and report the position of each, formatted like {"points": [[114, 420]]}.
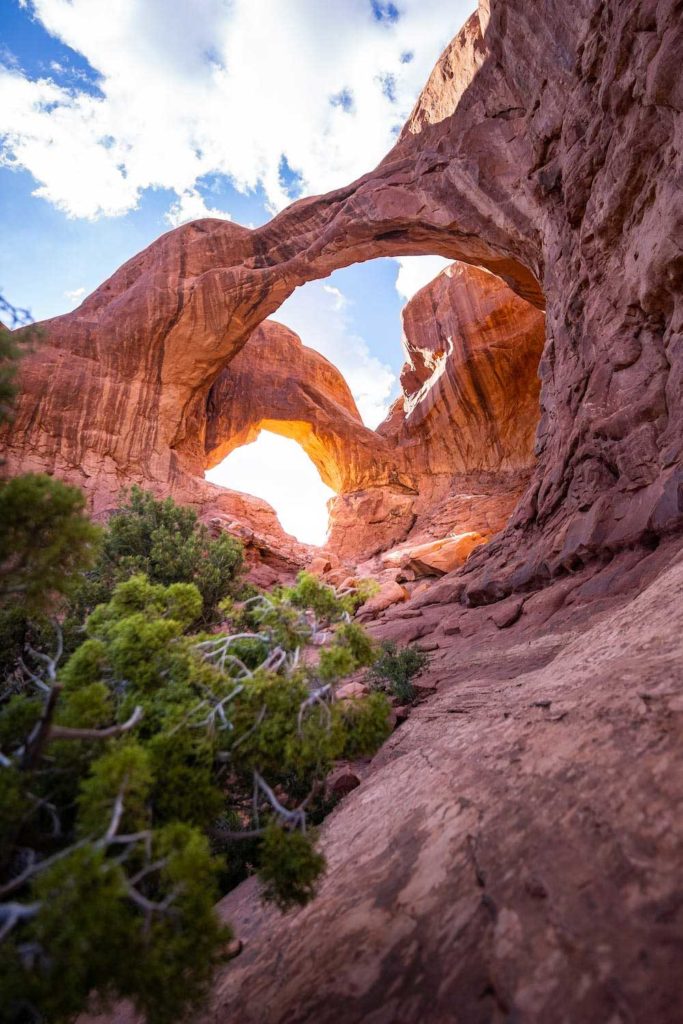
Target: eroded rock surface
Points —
{"points": [[514, 852], [278, 384], [544, 148]]}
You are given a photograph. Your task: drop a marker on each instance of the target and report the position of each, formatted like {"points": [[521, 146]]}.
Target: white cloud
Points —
{"points": [[278, 470], [338, 299], [319, 314], [191, 206], [417, 271], [75, 295], [218, 87]]}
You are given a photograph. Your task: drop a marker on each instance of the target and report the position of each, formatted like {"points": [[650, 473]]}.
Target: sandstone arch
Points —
{"points": [[516, 853], [531, 152], [276, 383]]}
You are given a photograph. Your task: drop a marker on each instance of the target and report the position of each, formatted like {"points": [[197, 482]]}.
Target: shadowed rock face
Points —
{"points": [[543, 148]]}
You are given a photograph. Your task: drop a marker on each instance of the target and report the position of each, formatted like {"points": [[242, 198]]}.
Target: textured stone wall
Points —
{"points": [[546, 148]]}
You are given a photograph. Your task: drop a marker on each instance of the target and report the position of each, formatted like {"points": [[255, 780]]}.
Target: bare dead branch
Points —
{"points": [[39, 735], [230, 834], [158, 865], [319, 697], [116, 815], [148, 905], [36, 680], [12, 913], [297, 817], [35, 868], [63, 732]]}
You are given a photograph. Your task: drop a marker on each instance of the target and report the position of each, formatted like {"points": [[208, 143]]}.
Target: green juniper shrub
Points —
{"points": [[171, 761], [13, 346], [166, 543], [395, 668], [289, 868], [310, 592], [46, 541]]}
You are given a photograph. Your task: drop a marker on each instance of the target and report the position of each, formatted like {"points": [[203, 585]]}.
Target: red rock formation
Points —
{"points": [[464, 428], [471, 378], [452, 457], [515, 852], [543, 148], [278, 384]]}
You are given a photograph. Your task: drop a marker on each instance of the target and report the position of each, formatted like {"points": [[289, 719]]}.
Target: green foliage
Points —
{"points": [[13, 345], [365, 724], [125, 769], [322, 599], [290, 867], [360, 644], [395, 668], [10, 352], [14, 806], [98, 939], [45, 540], [167, 544], [311, 592], [232, 735]]}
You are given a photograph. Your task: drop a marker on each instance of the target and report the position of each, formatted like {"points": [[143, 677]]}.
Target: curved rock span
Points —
{"points": [[544, 148], [453, 455]]}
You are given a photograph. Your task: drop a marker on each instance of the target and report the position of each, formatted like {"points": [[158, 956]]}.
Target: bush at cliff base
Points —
{"points": [[150, 764]]}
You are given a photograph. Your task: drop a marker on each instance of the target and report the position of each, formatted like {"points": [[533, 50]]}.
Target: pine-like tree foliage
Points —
{"points": [[167, 544], [154, 765], [46, 540]]}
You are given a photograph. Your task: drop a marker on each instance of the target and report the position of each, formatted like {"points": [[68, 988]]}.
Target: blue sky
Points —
{"points": [[119, 120]]}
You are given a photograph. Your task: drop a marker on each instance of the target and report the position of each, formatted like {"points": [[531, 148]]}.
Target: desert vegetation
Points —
{"points": [[165, 730]]}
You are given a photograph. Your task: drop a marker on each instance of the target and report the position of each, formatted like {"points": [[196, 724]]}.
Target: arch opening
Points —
{"points": [[451, 455], [275, 467]]}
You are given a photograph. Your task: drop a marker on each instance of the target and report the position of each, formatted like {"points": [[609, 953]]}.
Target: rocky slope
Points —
{"points": [[514, 853]]}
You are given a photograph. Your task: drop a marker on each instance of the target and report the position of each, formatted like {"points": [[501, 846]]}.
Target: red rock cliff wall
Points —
{"points": [[546, 147]]}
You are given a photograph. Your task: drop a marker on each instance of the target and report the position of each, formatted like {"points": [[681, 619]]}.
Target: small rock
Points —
{"points": [[451, 627], [389, 593], [352, 691], [424, 688], [320, 565], [341, 781], [508, 613], [348, 583]]}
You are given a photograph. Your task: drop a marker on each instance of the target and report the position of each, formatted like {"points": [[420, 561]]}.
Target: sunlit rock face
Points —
{"points": [[276, 383], [463, 431], [544, 148]]}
